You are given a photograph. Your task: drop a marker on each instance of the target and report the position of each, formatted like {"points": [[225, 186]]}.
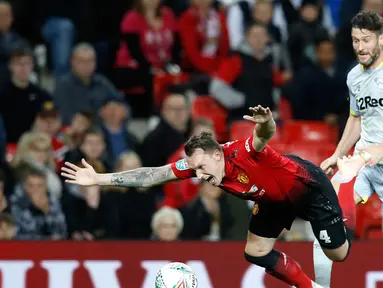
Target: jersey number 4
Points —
{"points": [[323, 235]]}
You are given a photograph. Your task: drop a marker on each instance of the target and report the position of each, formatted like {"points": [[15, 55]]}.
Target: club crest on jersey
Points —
{"points": [[243, 178], [255, 209], [182, 165]]}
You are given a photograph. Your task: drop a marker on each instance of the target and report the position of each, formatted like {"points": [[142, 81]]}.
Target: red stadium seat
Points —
{"points": [[369, 219], [308, 131], [284, 109], [207, 107], [11, 151], [243, 129], [162, 81], [314, 153]]}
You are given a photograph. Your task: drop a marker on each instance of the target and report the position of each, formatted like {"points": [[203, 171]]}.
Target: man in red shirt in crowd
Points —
{"points": [[283, 187]]}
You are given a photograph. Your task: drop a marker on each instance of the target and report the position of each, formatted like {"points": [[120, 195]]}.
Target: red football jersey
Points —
{"points": [[251, 175]]}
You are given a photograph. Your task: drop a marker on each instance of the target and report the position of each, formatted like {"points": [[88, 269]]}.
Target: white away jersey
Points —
{"points": [[366, 100]]}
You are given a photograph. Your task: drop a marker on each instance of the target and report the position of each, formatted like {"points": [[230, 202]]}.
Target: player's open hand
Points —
{"points": [[260, 114], [82, 176], [350, 166]]}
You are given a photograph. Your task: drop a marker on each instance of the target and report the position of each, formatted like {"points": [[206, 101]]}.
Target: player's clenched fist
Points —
{"points": [[260, 114]]}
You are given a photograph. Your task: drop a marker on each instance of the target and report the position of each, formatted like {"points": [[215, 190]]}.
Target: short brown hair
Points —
{"points": [[140, 8], [205, 141], [20, 52]]}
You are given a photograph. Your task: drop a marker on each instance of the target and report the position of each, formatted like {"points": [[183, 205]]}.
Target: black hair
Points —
{"points": [[368, 20]]}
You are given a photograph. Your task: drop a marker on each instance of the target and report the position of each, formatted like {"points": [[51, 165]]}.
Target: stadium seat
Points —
{"points": [[369, 219], [284, 109], [207, 107], [162, 81], [308, 131], [314, 153], [11, 151], [243, 129]]}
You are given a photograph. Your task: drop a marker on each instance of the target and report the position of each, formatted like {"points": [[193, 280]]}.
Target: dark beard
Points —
{"points": [[374, 56]]}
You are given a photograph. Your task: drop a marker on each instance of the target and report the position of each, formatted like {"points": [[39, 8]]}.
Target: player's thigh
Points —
{"points": [[267, 222], [363, 186], [332, 239], [258, 246]]}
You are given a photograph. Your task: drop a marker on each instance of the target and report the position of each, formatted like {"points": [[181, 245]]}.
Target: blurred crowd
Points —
{"points": [[115, 83]]}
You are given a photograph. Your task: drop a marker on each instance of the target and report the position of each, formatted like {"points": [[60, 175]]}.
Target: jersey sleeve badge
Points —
{"points": [[182, 165]]}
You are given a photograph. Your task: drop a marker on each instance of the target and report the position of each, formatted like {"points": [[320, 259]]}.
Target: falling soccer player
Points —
{"points": [[283, 187], [364, 127]]}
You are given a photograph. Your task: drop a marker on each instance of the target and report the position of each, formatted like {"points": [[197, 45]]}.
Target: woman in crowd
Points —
{"points": [[34, 150], [148, 46], [204, 37]]}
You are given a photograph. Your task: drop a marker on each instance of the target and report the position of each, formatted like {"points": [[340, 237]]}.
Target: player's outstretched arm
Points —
{"points": [[141, 177], [265, 126]]}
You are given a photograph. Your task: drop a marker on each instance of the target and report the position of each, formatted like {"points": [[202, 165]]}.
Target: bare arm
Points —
{"points": [[263, 132], [141, 177], [265, 126], [350, 136]]}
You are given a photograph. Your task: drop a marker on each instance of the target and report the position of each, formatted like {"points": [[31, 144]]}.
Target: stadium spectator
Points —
{"points": [[86, 207], [316, 85], [7, 227], [34, 150], [149, 44], [167, 224], [4, 207], [286, 14], [207, 217], [178, 194], [59, 19], [304, 33], [93, 217], [169, 134], [204, 37], [8, 178], [82, 89], [20, 97], [245, 78], [135, 206], [9, 40], [37, 213], [118, 139], [242, 14], [73, 134], [92, 148], [48, 121]]}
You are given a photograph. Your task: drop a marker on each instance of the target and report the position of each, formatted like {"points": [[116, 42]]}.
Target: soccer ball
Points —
{"points": [[176, 275]]}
